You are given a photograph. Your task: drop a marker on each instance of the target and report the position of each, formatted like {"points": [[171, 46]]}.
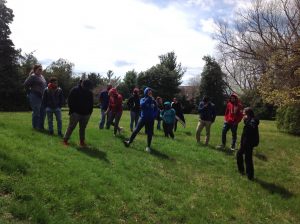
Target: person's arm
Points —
{"points": [[213, 113], [201, 107], [28, 82], [45, 97]]}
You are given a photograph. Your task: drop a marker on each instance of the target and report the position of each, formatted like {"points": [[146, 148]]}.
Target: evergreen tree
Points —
{"points": [[12, 95], [212, 83]]}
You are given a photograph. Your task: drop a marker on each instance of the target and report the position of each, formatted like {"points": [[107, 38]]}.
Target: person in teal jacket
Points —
{"points": [[168, 117]]}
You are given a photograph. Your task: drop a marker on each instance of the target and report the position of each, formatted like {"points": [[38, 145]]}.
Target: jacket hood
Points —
{"points": [[146, 91], [113, 91]]}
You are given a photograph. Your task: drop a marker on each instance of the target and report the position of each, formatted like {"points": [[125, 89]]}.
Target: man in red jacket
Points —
{"points": [[114, 109], [233, 115]]}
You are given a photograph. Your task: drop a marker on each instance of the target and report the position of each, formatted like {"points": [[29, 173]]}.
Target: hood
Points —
{"points": [[146, 91], [113, 91]]}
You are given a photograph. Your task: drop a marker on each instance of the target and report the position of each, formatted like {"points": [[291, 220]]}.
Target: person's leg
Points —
{"points": [[139, 126], [35, 104], [234, 135], [117, 120], [165, 129], [83, 121], [175, 125], [49, 112], [42, 117], [158, 124], [199, 130], [150, 127], [73, 120], [207, 129], [249, 163], [170, 128], [59, 121], [110, 119], [240, 160], [136, 118], [226, 127], [132, 119], [102, 119]]}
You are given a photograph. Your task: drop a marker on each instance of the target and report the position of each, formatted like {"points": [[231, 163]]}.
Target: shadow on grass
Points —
{"points": [[226, 151], [188, 133], [93, 152], [275, 189], [261, 156], [161, 155]]}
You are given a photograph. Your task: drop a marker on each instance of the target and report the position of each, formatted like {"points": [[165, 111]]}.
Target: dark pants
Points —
{"points": [[233, 128], [148, 129], [168, 129], [74, 119], [114, 116], [175, 125], [247, 150]]}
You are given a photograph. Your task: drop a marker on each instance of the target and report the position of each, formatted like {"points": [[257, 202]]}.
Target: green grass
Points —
{"points": [[41, 181]]}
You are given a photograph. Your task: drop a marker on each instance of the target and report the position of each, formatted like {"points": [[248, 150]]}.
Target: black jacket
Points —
{"points": [[134, 103], [53, 98], [80, 101], [250, 135]]}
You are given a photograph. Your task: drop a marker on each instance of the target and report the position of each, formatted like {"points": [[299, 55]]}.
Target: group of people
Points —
{"points": [[48, 100]]}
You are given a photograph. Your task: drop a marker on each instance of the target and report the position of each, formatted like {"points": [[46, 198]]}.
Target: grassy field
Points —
{"points": [[42, 181]]}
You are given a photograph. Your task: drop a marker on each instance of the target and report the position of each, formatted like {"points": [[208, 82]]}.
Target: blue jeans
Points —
{"points": [[57, 112], [38, 112], [233, 128], [102, 118], [134, 118], [116, 118], [148, 129]]}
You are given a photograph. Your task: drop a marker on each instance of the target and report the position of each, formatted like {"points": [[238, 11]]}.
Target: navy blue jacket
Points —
{"points": [[207, 113], [80, 101]]}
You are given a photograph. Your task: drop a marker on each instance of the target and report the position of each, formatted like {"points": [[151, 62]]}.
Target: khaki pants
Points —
{"points": [[201, 125]]}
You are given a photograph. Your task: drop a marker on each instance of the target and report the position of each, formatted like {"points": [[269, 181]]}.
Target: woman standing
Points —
{"points": [[35, 84]]}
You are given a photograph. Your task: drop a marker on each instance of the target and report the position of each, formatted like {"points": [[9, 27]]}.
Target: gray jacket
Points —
{"points": [[35, 84]]}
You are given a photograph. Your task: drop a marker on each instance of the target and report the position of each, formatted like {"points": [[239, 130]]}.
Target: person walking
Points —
{"points": [[160, 106], [233, 115], [135, 108], [104, 101], [148, 114], [249, 140], [168, 117], [53, 100], [35, 85], [207, 115], [80, 103], [114, 109], [179, 113]]}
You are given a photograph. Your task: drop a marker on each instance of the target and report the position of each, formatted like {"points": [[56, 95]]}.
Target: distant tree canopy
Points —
{"points": [[164, 78], [212, 83]]}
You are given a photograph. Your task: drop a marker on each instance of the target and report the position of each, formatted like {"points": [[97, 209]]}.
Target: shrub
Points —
{"points": [[288, 119]]}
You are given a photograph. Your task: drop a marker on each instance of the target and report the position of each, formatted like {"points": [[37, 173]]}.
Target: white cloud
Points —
{"points": [[208, 25], [95, 34]]}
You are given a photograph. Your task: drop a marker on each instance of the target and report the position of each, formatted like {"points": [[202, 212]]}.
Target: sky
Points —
{"points": [[119, 35]]}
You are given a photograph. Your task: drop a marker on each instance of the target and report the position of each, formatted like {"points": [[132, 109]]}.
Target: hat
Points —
{"points": [[113, 91], [147, 90], [87, 84], [167, 103]]}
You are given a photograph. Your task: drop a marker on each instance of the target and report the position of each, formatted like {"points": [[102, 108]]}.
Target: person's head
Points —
{"points": [[167, 105], [175, 100], [206, 99], [113, 92], [159, 100], [108, 87], [248, 113], [233, 98], [37, 69], [148, 92], [87, 84], [136, 91], [53, 80]]}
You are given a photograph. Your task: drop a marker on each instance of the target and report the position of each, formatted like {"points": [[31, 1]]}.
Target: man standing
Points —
{"points": [[148, 114], [134, 107], [179, 113], [104, 101], [207, 114], [233, 115], [80, 103]]}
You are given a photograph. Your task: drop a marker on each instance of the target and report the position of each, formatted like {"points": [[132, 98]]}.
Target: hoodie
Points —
{"points": [[234, 111], [148, 107], [250, 134]]}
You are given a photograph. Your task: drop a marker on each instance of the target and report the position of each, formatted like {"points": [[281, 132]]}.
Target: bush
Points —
{"points": [[288, 119]]}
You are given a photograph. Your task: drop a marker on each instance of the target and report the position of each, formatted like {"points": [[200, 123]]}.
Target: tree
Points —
{"points": [[130, 79], [26, 63], [12, 94], [212, 83], [164, 78]]}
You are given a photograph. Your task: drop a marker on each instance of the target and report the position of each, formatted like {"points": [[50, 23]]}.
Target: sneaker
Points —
{"points": [[232, 148], [120, 129], [126, 143], [220, 147], [148, 149], [65, 142]]}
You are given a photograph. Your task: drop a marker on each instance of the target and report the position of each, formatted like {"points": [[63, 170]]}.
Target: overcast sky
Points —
{"points": [[118, 35]]}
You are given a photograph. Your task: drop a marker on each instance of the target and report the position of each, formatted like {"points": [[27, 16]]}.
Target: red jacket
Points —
{"points": [[234, 112], [115, 103]]}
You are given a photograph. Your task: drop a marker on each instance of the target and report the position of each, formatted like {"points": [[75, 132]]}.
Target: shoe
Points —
{"points": [[51, 133], [148, 149], [232, 149], [220, 147], [120, 129], [65, 142], [126, 143]]}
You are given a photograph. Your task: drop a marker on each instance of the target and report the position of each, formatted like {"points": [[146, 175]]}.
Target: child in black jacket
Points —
{"points": [[249, 140]]}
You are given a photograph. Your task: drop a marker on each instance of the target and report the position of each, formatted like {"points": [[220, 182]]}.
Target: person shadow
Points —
{"points": [[161, 155], [274, 189], [261, 156], [93, 152]]}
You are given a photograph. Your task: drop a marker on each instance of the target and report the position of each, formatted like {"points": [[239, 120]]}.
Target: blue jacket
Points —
{"points": [[148, 108], [207, 113]]}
